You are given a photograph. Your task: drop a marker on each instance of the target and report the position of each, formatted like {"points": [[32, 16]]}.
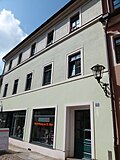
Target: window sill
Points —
{"points": [[20, 139], [74, 75], [49, 44], [46, 84], [72, 30], [41, 144], [27, 90]]}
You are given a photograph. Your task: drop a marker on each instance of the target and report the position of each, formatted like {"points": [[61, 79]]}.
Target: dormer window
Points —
{"points": [[50, 37], [20, 58], [116, 4], [5, 90], [74, 22], [33, 49], [10, 64]]}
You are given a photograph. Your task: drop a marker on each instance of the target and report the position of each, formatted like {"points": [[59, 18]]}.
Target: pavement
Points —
{"points": [[16, 153]]}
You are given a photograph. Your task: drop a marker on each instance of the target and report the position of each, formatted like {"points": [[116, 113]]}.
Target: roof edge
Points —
{"points": [[40, 27]]}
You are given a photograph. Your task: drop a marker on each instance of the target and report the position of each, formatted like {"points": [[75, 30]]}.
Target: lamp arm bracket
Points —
{"points": [[106, 89]]}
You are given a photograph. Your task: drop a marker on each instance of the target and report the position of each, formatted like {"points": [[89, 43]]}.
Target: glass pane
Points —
{"points": [[43, 127], [18, 124], [77, 56], [88, 134], [50, 37], [117, 45], [74, 64], [47, 74], [74, 22], [73, 70], [3, 117], [116, 4]]}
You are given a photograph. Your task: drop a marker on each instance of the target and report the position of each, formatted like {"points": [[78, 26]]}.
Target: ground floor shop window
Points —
{"points": [[18, 122], [5, 119], [14, 121], [43, 127]]}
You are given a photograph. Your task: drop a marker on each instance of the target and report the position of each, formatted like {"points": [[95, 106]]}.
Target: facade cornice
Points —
{"points": [[58, 16], [83, 27]]}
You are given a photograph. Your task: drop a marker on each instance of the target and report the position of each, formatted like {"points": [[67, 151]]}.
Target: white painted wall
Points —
{"points": [[88, 11], [63, 91]]}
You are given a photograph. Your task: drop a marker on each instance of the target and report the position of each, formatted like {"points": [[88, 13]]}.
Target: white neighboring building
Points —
{"points": [[51, 102]]}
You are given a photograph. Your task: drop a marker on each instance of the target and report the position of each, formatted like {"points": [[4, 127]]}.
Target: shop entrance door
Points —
{"points": [[82, 141]]}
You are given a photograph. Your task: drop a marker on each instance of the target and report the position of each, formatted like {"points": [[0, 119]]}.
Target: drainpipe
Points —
{"points": [[105, 20]]}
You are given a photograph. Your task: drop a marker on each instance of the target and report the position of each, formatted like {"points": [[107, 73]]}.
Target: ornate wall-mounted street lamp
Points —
{"points": [[98, 74]]}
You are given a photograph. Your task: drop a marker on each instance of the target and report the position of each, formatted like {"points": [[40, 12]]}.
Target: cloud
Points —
{"points": [[10, 33]]}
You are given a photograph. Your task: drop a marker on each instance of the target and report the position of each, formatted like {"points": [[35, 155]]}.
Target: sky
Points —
{"points": [[19, 18]]}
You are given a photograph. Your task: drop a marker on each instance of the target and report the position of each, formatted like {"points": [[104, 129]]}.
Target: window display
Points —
{"points": [[43, 127], [18, 124], [15, 122]]}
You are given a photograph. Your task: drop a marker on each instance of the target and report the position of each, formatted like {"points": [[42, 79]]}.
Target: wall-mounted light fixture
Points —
{"points": [[98, 74], [1, 107]]}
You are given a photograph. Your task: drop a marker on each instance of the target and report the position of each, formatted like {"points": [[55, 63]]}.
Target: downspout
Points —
{"points": [[108, 6], [105, 20]]}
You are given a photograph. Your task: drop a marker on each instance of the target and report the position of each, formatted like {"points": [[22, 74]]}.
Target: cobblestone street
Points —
{"points": [[9, 156], [16, 153]]}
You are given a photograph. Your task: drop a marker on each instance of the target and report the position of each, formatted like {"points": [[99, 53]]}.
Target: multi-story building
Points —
{"points": [[111, 21], [50, 99]]}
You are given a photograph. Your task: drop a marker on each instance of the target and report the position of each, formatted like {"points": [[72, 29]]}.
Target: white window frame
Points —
{"points": [[49, 44], [72, 53], [51, 74], [34, 43], [55, 122], [72, 15], [112, 39]]}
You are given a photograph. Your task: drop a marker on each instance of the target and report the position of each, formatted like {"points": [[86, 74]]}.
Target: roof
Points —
{"points": [[40, 27]]}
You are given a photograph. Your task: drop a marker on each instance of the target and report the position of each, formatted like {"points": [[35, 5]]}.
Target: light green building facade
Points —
{"points": [[72, 107]]}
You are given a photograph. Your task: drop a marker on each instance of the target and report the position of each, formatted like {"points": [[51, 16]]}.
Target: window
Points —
{"points": [[74, 22], [5, 90], [32, 49], [15, 86], [15, 122], [47, 74], [28, 82], [74, 65], [19, 58], [17, 126], [43, 127], [5, 120], [50, 37], [116, 4], [10, 64], [117, 50]]}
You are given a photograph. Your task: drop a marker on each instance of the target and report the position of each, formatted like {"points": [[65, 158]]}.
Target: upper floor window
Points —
{"points": [[33, 49], [74, 22], [47, 74], [74, 65], [117, 50], [28, 82], [10, 64], [20, 58], [116, 4], [5, 90], [15, 86], [50, 37]]}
